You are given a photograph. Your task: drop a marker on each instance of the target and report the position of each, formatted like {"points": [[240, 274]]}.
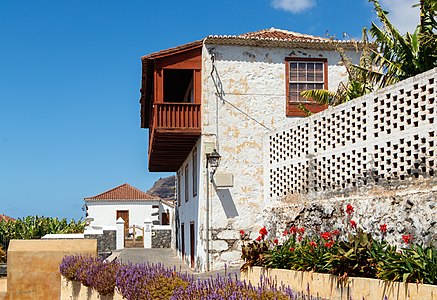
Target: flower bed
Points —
{"points": [[347, 253], [90, 278]]}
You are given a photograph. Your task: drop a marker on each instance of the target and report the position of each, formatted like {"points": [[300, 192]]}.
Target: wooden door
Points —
{"points": [[183, 241], [192, 243], [124, 214]]}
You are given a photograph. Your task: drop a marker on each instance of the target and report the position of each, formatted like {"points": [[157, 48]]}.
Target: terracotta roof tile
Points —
{"points": [[280, 34], [6, 218], [274, 37], [123, 192]]}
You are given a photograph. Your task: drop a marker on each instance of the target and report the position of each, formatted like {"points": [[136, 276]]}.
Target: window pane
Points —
{"points": [[293, 87], [293, 75], [319, 72], [302, 72]]}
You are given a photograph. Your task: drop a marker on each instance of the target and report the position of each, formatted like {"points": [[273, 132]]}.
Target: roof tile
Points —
{"points": [[123, 192]]}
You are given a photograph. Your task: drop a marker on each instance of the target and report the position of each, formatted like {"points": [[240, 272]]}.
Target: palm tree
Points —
{"points": [[395, 57], [402, 56]]}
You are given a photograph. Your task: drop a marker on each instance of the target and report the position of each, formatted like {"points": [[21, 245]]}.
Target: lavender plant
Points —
{"points": [[149, 281]]}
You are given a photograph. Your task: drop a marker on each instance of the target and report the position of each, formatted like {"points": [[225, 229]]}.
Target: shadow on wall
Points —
{"points": [[227, 202]]}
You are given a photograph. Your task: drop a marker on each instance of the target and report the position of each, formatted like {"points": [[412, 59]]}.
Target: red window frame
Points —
{"points": [[292, 106]]}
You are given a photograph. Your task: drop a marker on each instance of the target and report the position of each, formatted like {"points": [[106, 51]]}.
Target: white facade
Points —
{"points": [[252, 105], [104, 213]]}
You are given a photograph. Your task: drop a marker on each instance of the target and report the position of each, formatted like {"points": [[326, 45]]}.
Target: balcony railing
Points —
{"points": [[175, 115]]}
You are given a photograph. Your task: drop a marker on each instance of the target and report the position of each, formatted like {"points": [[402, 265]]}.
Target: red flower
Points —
{"points": [[383, 228], [326, 235], [299, 238], [242, 232], [329, 244], [285, 232], [293, 230], [275, 241], [349, 209], [301, 230], [313, 244], [353, 224], [291, 249], [259, 238], [335, 232], [408, 238], [263, 231]]}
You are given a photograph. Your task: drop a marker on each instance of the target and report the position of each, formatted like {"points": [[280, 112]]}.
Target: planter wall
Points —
{"points": [[327, 286], [74, 290]]}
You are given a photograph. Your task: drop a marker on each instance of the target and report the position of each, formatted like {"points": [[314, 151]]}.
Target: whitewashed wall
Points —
{"points": [[104, 213], [254, 86], [192, 210]]}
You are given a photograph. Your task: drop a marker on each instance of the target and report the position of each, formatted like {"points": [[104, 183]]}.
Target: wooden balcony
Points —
{"points": [[173, 132]]}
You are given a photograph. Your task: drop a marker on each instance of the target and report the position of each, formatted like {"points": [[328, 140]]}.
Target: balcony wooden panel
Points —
{"points": [[173, 132]]}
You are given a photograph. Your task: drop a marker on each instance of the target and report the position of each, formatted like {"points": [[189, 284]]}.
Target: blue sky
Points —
{"points": [[70, 78]]}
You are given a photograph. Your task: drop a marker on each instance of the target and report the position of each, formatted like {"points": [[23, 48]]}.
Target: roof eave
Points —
{"points": [[304, 44]]}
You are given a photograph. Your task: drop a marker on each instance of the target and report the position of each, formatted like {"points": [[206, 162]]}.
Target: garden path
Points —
{"points": [[168, 258]]}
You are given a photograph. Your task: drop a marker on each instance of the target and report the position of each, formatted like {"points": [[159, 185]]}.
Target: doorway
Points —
{"points": [[183, 241], [192, 244]]}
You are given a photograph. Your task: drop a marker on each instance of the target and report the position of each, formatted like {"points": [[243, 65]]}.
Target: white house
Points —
{"points": [[227, 93], [129, 203]]}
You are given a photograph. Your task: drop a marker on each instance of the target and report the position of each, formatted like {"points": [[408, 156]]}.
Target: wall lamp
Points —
{"points": [[213, 161]]}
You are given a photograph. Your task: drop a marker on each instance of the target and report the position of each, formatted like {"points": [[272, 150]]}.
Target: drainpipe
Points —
{"points": [[207, 216]]}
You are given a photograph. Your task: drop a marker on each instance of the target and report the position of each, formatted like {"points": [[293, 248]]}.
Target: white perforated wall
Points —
{"points": [[384, 137]]}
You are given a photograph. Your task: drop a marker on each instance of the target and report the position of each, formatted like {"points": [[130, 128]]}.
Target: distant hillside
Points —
{"points": [[164, 188]]}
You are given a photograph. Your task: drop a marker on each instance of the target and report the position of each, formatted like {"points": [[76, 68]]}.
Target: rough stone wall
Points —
{"points": [[405, 209], [161, 238], [253, 103], [106, 242]]}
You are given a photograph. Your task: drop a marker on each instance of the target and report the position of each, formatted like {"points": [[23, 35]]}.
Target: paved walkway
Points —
{"points": [[168, 258]]}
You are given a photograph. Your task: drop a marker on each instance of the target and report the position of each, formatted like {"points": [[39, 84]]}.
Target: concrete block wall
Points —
{"points": [[385, 137]]}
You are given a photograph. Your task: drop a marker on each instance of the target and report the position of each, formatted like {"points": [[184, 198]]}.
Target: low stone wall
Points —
{"points": [[106, 242], [327, 286], [161, 238], [405, 209], [3, 269]]}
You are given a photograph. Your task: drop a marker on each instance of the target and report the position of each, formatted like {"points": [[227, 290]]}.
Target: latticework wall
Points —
{"points": [[384, 137]]}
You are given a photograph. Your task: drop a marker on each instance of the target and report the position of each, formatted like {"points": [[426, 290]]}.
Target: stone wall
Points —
{"points": [[106, 242], [407, 209], [161, 238]]}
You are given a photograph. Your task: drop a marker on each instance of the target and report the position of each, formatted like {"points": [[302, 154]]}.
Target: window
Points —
{"points": [[186, 182], [155, 206], [304, 74], [195, 172]]}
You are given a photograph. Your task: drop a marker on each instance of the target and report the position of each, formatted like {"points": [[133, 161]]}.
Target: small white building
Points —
{"points": [[130, 204]]}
